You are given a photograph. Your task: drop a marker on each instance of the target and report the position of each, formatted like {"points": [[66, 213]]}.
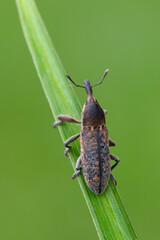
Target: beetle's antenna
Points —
{"points": [[105, 73], [73, 82]]}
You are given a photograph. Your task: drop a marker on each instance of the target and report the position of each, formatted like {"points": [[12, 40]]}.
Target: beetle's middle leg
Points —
{"points": [[68, 141], [116, 159], [78, 167], [111, 143], [65, 118]]}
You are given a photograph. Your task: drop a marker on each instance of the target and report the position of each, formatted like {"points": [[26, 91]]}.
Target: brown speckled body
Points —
{"points": [[95, 157], [96, 164]]}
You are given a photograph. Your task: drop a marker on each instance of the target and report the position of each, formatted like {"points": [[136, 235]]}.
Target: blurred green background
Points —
{"points": [[38, 198]]}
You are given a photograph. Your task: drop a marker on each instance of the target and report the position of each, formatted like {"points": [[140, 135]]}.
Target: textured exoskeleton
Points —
{"points": [[95, 158]]}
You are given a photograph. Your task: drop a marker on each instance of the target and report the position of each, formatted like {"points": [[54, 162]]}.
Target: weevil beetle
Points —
{"points": [[95, 158]]}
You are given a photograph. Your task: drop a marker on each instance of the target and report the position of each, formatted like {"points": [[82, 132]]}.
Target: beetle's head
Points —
{"points": [[88, 87], [87, 84]]}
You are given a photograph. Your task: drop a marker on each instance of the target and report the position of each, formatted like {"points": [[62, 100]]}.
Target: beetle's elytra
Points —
{"points": [[95, 158]]}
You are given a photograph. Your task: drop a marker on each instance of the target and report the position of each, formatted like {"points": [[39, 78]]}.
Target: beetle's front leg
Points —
{"points": [[68, 141], [65, 118], [78, 167]]}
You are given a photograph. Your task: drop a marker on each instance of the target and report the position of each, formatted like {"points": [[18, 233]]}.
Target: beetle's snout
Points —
{"points": [[88, 88]]}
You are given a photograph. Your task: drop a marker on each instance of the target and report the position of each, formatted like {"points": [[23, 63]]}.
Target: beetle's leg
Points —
{"points": [[68, 141], [111, 143], [78, 167], [105, 111], [55, 124], [78, 163], [115, 158], [65, 118], [76, 174], [114, 180]]}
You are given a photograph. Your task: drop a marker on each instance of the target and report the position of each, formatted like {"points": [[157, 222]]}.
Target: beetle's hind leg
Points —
{"points": [[68, 141], [114, 180], [78, 167], [65, 118]]}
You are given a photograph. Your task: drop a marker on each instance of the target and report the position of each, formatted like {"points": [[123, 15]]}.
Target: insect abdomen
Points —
{"points": [[95, 157]]}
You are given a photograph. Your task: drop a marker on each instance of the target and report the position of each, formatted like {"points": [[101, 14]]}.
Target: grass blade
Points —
{"points": [[107, 211]]}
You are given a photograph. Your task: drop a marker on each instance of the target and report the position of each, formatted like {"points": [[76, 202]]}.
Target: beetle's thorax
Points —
{"points": [[92, 113]]}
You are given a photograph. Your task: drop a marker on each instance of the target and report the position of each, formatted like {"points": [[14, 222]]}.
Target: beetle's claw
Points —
{"points": [[76, 174], [66, 152]]}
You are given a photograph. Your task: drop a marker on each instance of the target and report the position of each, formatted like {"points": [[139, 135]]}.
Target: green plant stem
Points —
{"points": [[107, 211]]}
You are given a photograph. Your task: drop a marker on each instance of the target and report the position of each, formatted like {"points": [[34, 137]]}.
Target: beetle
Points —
{"points": [[95, 158]]}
